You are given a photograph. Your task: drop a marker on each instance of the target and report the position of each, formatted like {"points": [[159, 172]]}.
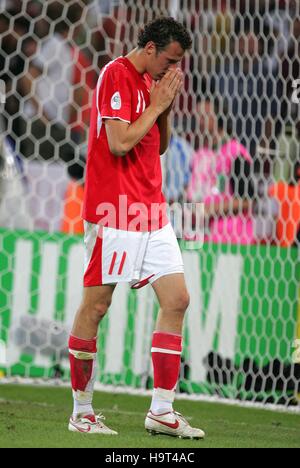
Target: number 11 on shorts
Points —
{"points": [[114, 261]]}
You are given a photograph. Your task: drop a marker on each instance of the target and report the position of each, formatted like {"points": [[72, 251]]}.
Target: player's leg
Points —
{"points": [[109, 259], [83, 358], [163, 264], [174, 300], [94, 306], [173, 297]]}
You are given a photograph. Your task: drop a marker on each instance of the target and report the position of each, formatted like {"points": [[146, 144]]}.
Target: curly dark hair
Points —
{"points": [[163, 31]]}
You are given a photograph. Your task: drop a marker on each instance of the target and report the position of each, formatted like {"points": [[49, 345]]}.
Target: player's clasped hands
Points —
{"points": [[164, 92]]}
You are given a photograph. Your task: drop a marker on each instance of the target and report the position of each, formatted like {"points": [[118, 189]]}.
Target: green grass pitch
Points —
{"points": [[38, 417]]}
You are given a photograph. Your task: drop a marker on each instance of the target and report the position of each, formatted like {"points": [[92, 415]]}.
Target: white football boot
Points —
{"points": [[172, 424], [90, 424]]}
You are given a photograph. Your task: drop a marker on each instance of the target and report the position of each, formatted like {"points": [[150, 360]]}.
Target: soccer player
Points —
{"points": [[128, 237]]}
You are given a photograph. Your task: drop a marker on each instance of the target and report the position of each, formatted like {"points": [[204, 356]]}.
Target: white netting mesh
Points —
{"points": [[235, 147]]}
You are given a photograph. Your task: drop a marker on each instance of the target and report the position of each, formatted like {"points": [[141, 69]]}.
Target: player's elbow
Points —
{"points": [[163, 149], [118, 148], [118, 153]]}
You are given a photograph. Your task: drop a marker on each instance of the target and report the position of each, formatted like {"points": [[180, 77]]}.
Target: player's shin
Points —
{"points": [[83, 364], [166, 353]]}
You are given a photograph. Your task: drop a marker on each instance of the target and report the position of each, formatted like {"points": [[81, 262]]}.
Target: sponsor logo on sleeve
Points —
{"points": [[116, 102]]}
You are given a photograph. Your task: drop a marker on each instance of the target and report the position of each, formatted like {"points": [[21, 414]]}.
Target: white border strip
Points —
{"points": [[165, 351], [148, 393], [107, 117]]}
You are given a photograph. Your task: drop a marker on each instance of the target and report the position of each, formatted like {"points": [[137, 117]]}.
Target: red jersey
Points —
{"points": [[122, 190]]}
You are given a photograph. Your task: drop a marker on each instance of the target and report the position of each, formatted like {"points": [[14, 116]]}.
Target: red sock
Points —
{"points": [[81, 367], [166, 352]]}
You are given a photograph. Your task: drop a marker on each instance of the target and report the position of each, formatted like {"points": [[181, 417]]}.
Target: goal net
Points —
{"points": [[234, 149]]}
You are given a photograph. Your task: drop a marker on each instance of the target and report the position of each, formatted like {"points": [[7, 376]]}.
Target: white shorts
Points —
{"points": [[137, 258]]}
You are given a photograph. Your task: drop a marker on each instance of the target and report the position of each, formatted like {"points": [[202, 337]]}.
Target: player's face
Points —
{"points": [[160, 62]]}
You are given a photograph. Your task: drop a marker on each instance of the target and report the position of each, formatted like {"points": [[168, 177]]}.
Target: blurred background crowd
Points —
{"points": [[236, 132]]}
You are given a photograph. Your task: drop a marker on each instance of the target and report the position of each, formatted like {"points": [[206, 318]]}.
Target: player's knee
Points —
{"points": [[100, 309], [95, 311], [179, 303], [183, 301]]}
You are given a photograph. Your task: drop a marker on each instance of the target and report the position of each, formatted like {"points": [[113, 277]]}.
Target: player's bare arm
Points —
{"points": [[122, 137], [164, 120]]}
